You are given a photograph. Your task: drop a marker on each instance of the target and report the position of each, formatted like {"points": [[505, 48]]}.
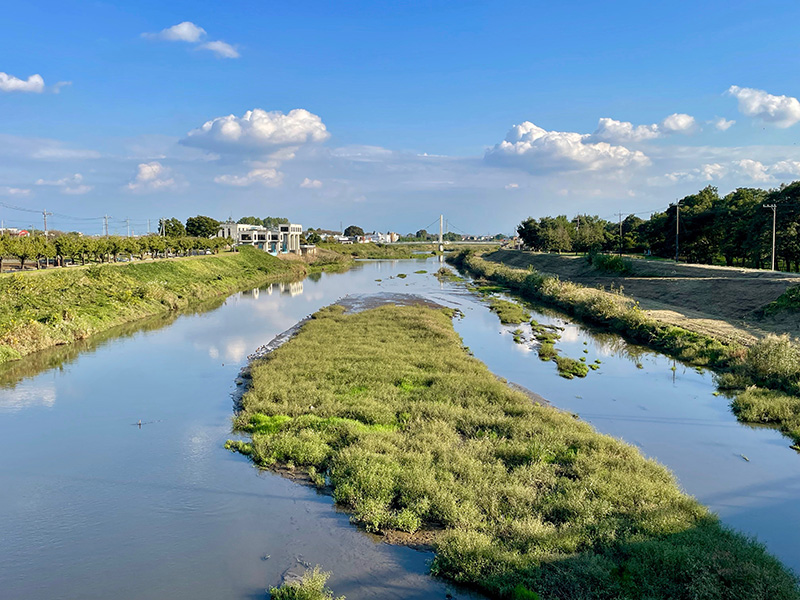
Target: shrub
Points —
{"points": [[310, 587]]}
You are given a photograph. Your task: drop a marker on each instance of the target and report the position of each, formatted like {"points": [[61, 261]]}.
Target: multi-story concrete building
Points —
{"points": [[284, 239]]}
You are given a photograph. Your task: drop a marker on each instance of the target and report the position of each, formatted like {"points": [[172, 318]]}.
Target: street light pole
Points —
{"points": [[774, 208], [677, 227]]}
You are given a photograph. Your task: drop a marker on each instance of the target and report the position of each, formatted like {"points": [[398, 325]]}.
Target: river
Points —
{"points": [[93, 505]]}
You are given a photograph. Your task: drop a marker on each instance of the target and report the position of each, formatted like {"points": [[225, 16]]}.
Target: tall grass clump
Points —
{"points": [[411, 433], [310, 587], [52, 307], [774, 362], [769, 407], [610, 263]]}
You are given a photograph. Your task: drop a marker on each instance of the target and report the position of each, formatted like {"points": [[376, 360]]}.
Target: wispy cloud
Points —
{"points": [[220, 48], [72, 185], [194, 34]]}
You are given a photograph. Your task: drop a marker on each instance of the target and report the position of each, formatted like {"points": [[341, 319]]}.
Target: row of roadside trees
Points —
{"points": [[735, 230], [77, 249]]}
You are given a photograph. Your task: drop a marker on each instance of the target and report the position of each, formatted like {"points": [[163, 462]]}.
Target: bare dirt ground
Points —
{"points": [[724, 302]]}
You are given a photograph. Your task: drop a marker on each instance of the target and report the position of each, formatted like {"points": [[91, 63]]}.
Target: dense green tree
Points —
{"points": [[202, 226], [172, 227], [273, 222], [734, 230], [353, 230]]}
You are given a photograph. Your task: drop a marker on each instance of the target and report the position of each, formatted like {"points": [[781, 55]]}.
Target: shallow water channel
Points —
{"points": [[94, 506]]}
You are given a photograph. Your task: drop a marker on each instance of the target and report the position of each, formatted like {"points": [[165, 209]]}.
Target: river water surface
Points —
{"points": [[93, 506]]}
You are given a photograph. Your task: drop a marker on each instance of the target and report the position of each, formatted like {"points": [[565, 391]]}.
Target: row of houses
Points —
{"points": [[375, 237], [284, 239]]}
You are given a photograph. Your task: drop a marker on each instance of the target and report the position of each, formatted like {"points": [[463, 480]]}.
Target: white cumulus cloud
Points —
{"points": [[611, 130], [311, 183], [72, 185], [266, 175], [753, 169], [532, 148], [221, 49], [182, 32], [619, 132], [722, 124], [678, 123], [781, 111], [512, 186], [786, 167], [9, 83], [258, 130], [150, 177]]}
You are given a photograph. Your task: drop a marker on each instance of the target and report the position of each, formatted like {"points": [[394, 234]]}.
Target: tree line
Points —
{"points": [[734, 230], [75, 248]]}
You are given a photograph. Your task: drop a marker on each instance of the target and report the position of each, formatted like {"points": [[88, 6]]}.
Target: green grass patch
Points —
{"points": [[310, 587], [528, 499], [58, 306], [510, 313], [789, 301], [421, 272], [756, 405], [569, 368]]}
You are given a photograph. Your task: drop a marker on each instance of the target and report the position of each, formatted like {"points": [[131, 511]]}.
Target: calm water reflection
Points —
{"points": [[92, 506]]}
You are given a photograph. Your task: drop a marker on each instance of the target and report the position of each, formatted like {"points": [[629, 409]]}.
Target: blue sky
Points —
{"points": [[405, 109]]}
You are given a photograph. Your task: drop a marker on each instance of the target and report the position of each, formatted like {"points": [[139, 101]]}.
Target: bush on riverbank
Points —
{"points": [[610, 263], [388, 409], [47, 308], [310, 587]]}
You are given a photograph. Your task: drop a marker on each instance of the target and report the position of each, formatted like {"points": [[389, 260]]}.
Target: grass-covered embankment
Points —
{"points": [[378, 251], [772, 363], [47, 308], [388, 410]]}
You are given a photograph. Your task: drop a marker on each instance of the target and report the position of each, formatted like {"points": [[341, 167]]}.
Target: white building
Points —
{"points": [[284, 239]]}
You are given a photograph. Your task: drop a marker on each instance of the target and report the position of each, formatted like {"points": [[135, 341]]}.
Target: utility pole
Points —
{"points": [[774, 208], [105, 225], [620, 233], [148, 226], [45, 214], [441, 233], [677, 227], [128, 223]]}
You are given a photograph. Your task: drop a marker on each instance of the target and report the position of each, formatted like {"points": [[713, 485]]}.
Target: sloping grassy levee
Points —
{"points": [[772, 363], [409, 432], [46, 308]]}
